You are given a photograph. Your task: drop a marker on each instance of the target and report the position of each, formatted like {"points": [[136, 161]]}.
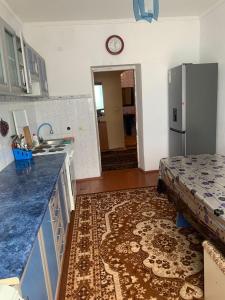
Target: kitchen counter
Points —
{"points": [[25, 191]]}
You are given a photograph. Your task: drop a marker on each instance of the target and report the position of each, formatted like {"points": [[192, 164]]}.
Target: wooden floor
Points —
{"points": [[117, 180], [110, 181], [130, 140]]}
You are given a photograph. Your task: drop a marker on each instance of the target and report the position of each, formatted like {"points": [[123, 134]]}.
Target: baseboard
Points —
{"points": [[91, 178], [149, 172]]}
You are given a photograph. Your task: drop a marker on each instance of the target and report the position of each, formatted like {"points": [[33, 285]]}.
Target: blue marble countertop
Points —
{"points": [[25, 191]]}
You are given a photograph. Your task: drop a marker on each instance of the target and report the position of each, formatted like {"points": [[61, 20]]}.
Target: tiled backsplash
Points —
{"points": [[78, 115], [69, 117]]}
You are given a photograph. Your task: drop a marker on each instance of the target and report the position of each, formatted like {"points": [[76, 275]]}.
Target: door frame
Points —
{"points": [[96, 69]]}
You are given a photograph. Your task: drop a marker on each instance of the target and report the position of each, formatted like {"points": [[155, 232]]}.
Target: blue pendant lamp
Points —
{"points": [[141, 13]]}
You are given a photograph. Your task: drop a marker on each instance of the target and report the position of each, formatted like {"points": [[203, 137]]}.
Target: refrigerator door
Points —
{"points": [[201, 108], [176, 143], [175, 99]]}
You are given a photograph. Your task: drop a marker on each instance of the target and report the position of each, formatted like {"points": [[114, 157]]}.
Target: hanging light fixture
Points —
{"points": [[142, 11]]}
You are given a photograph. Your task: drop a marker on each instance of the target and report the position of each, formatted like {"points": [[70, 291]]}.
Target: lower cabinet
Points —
{"points": [[64, 198], [41, 277], [33, 284], [49, 246]]}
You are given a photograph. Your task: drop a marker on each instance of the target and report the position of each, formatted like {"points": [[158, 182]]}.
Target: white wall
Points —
{"points": [[70, 49], [9, 17], [212, 49]]}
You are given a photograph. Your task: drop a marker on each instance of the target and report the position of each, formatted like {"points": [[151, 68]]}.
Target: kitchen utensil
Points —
{"points": [[20, 120], [28, 137], [21, 154], [4, 128]]}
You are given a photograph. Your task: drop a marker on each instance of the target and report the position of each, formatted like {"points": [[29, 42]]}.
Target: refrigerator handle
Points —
{"points": [[174, 114], [178, 131]]}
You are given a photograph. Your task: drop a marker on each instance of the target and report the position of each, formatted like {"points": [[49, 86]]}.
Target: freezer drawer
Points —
{"points": [[176, 143]]}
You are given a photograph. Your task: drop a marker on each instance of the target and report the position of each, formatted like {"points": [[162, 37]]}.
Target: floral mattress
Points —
{"points": [[200, 182]]}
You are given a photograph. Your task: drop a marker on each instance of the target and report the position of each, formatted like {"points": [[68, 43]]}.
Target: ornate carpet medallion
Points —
{"points": [[126, 246]]}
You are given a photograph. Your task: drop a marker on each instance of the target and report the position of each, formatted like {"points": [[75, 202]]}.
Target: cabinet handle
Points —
{"points": [[52, 221], [62, 251], [57, 210]]}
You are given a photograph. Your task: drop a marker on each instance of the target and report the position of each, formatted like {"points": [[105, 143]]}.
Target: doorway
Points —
{"points": [[115, 103]]}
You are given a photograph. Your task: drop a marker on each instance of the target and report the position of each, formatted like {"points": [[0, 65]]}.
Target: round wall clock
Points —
{"points": [[114, 44]]}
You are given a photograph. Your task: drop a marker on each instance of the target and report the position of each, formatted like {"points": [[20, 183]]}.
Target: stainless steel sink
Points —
{"points": [[54, 142]]}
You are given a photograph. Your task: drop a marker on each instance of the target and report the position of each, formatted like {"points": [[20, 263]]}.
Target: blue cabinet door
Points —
{"points": [[33, 286], [50, 251]]}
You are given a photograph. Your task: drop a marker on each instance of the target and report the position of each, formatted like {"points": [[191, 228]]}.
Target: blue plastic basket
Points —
{"points": [[20, 154]]}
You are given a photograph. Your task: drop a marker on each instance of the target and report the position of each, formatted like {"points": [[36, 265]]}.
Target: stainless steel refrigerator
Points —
{"points": [[192, 109]]}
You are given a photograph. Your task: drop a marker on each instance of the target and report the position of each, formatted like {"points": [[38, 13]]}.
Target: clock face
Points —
{"points": [[114, 44]]}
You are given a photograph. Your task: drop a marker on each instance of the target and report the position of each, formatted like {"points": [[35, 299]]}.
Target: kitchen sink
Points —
{"points": [[54, 142]]}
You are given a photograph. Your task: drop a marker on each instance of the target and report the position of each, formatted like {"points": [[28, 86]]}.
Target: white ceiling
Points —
{"points": [[62, 10]]}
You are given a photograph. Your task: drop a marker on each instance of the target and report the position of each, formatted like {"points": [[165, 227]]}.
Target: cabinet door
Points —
{"points": [[33, 285], [47, 230], [2, 77], [29, 55], [12, 59], [32, 59], [57, 226], [4, 87], [63, 199], [25, 69], [43, 76], [4, 84]]}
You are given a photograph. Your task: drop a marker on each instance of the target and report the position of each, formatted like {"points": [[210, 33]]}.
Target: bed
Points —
{"points": [[196, 184]]}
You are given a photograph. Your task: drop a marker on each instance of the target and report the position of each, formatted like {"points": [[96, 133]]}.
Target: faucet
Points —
{"points": [[42, 125]]}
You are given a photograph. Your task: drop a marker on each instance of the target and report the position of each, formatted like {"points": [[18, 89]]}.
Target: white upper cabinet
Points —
{"points": [[12, 59], [2, 80], [36, 69], [43, 76], [2, 71], [4, 85], [22, 69]]}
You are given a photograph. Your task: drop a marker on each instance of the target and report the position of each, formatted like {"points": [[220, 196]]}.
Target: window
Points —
{"points": [[99, 98]]}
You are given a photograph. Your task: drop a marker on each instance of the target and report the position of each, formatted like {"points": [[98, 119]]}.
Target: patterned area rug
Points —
{"points": [[126, 245], [117, 160]]}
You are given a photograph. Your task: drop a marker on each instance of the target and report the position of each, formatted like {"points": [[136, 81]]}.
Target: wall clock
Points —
{"points": [[114, 44]]}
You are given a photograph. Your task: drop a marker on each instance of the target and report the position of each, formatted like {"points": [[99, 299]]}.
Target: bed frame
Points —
{"points": [[182, 207]]}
